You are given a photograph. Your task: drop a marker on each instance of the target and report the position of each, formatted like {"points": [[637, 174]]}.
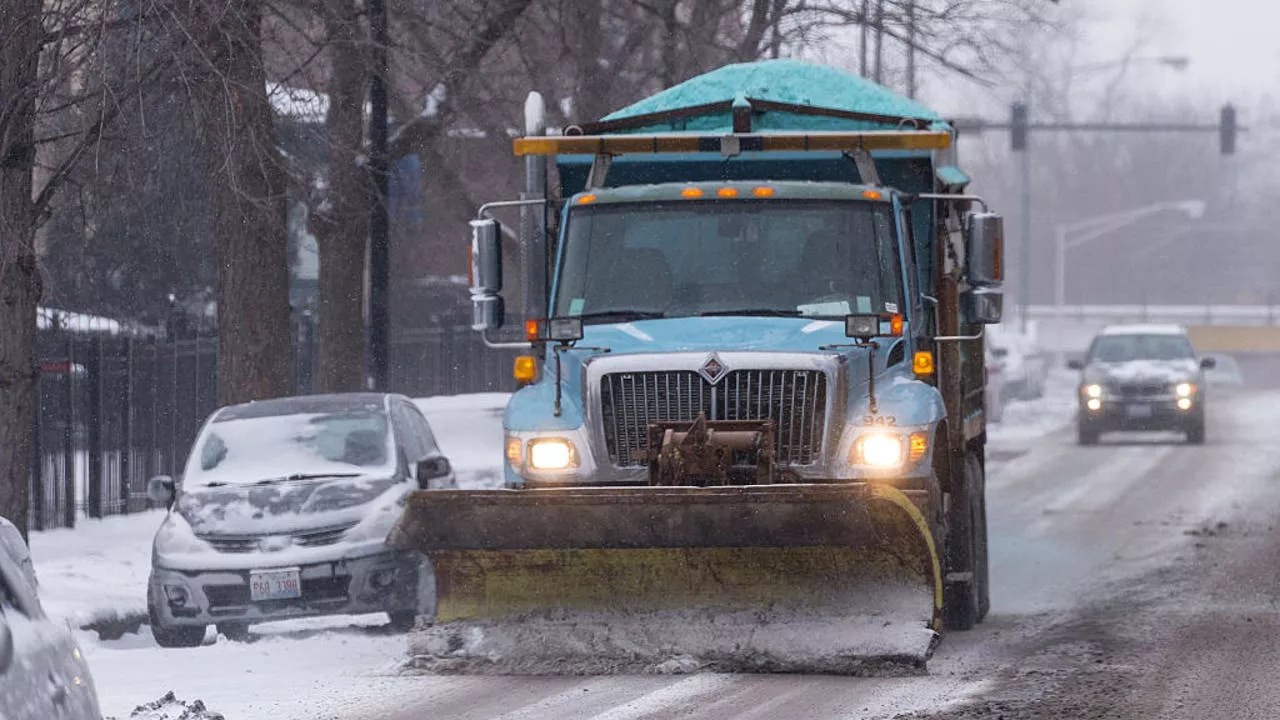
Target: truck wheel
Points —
{"points": [[963, 597]]}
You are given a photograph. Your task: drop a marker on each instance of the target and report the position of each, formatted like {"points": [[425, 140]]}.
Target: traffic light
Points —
{"points": [[1018, 126], [1227, 130]]}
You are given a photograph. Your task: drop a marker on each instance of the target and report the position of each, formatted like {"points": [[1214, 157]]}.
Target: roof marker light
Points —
{"points": [[872, 195], [762, 191], [691, 192], [727, 192], [585, 199]]}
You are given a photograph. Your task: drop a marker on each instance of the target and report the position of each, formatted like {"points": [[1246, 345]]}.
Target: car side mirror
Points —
{"points": [[432, 468], [161, 490], [1075, 364], [1208, 363], [7, 651]]}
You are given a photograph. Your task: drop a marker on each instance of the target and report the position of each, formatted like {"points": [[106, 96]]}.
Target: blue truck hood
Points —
{"points": [[530, 408]]}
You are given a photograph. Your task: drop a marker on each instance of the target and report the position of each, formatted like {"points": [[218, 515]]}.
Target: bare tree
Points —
{"points": [[227, 86]]}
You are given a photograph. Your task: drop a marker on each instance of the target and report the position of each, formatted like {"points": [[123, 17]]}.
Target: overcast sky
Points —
{"points": [[1233, 47]]}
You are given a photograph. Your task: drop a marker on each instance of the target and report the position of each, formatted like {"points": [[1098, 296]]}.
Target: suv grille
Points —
{"points": [[796, 400]]}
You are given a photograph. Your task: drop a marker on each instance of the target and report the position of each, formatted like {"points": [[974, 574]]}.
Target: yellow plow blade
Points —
{"points": [[780, 578]]}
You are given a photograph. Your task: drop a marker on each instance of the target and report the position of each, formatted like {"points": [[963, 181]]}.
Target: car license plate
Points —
{"points": [[1139, 411], [274, 585]]}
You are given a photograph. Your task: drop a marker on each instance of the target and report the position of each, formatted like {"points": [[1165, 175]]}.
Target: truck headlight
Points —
{"points": [[1185, 390], [881, 450], [552, 454]]}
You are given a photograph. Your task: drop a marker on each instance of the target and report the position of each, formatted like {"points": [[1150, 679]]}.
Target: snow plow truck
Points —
{"points": [[750, 429]]}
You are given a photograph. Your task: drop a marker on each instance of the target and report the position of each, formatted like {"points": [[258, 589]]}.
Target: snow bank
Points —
{"points": [[97, 572], [469, 430], [1030, 419]]}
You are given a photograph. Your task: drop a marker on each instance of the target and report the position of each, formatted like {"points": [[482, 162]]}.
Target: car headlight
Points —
{"points": [[1093, 390], [1185, 390], [552, 454]]}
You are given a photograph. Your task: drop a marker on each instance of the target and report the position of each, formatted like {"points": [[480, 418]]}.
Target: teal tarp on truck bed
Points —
{"points": [[789, 82]]}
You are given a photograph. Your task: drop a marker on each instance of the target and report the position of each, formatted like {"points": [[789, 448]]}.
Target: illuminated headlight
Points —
{"points": [[552, 454], [1093, 391], [1093, 404], [1185, 390], [1184, 403], [881, 450]]}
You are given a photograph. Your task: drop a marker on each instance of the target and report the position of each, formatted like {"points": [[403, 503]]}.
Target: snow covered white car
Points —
{"points": [[1141, 377], [43, 674], [283, 511]]}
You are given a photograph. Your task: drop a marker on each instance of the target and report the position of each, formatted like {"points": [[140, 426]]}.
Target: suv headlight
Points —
{"points": [[1092, 390], [1185, 390]]}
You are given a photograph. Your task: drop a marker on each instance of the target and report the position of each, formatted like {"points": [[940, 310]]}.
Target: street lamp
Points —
{"points": [[1094, 228], [1177, 62]]}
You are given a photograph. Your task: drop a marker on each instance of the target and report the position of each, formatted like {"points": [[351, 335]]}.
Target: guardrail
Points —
{"points": [[1181, 314]]}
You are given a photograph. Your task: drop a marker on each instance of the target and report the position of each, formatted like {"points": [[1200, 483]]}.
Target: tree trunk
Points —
{"points": [[19, 271], [255, 358], [342, 227]]}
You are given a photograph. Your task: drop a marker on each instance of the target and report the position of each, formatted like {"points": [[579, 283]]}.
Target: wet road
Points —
{"points": [[1135, 579]]}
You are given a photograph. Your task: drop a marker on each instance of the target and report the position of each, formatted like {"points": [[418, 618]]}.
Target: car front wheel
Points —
{"points": [[175, 636]]}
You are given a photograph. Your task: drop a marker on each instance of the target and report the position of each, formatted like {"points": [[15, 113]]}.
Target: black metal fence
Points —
{"points": [[115, 411]]}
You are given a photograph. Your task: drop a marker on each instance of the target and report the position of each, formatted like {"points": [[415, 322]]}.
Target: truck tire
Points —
{"points": [[965, 599]]}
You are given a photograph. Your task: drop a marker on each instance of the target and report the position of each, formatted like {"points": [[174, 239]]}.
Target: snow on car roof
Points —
{"points": [[306, 405], [1144, 329]]}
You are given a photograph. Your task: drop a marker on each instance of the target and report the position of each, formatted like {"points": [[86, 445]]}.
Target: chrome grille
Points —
{"points": [[230, 544], [1144, 389], [316, 538], [796, 400]]}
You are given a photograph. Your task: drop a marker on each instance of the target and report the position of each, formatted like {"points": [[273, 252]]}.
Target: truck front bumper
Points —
{"points": [[385, 582]]}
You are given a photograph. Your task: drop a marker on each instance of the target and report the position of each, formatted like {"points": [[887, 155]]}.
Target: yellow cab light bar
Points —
{"points": [[731, 144]]}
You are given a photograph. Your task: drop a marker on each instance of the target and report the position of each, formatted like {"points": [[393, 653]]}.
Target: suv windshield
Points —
{"points": [[247, 450], [671, 259], [1123, 348]]}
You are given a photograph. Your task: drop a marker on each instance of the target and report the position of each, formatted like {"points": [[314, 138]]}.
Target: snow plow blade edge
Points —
{"points": [[775, 555]]}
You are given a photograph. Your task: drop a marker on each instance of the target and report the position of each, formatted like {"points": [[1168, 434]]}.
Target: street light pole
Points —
{"points": [[1097, 227]]}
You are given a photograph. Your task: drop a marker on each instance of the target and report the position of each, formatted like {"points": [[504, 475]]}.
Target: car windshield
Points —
{"points": [[1123, 348], [673, 259], [248, 450]]}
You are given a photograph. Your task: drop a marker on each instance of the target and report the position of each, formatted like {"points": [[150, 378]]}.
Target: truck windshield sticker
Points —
{"points": [[576, 305], [825, 309], [891, 307], [864, 304]]}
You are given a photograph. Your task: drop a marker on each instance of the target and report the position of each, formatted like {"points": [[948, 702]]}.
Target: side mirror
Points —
{"points": [[1075, 364], [1208, 363], [7, 651], [486, 275], [432, 468], [984, 305], [161, 490], [984, 256]]}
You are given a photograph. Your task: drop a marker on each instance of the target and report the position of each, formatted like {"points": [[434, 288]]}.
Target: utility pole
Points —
{"points": [[879, 78], [379, 222], [862, 46], [911, 49], [1019, 141]]}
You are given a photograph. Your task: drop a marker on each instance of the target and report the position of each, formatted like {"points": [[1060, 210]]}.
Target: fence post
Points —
{"points": [[37, 468], [69, 441], [126, 431], [93, 429]]}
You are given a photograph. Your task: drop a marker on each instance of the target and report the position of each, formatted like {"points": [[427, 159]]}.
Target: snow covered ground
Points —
{"points": [[310, 669], [300, 669]]}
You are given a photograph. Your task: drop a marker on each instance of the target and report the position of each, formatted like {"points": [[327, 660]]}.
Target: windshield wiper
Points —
{"points": [[752, 312], [621, 315], [305, 476]]}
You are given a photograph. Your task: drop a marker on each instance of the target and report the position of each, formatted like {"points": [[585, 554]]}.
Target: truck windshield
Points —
{"points": [[780, 257]]}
